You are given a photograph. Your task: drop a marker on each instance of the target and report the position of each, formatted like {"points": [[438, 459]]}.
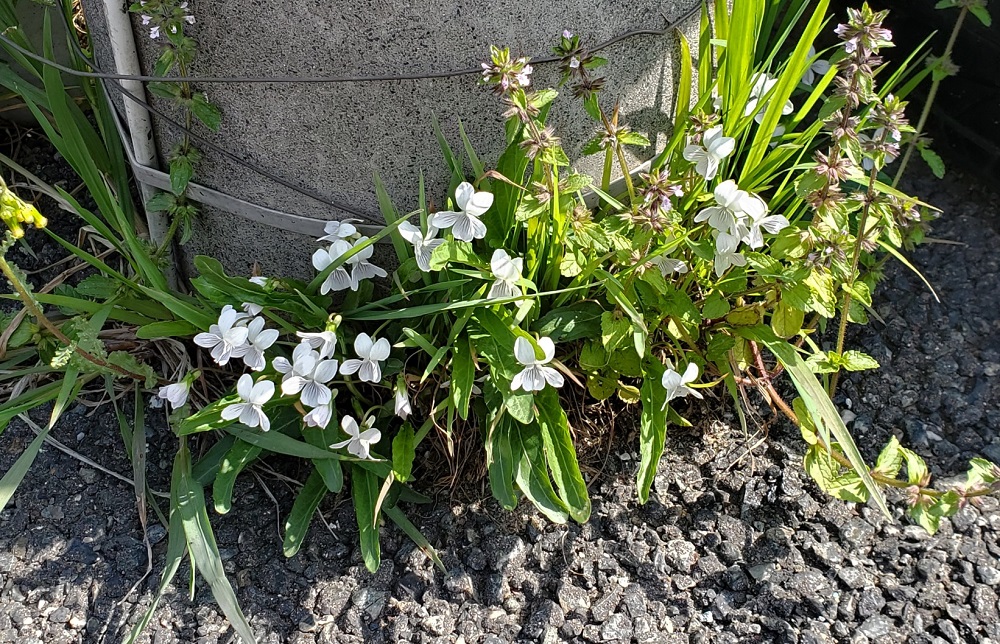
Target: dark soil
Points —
{"points": [[736, 544]]}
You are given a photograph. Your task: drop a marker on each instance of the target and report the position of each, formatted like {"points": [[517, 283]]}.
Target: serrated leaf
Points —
{"points": [[615, 330], [916, 468], [715, 306], [858, 361], [933, 161], [786, 320], [890, 459], [982, 14]]}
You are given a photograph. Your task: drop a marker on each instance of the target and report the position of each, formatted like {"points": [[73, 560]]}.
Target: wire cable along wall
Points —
{"points": [[311, 226]]}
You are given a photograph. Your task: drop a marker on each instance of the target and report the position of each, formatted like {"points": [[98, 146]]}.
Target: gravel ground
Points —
{"points": [[735, 545]]}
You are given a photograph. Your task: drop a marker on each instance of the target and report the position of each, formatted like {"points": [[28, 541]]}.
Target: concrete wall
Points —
{"points": [[333, 137]]}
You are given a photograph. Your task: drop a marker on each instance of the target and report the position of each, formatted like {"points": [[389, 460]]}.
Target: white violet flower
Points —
{"points": [[762, 86], [360, 442], [669, 265], [323, 342], [361, 268], [176, 394], [227, 338], [259, 340], [338, 279], [726, 255], [319, 416], [676, 384], [507, 272], [342, 229], [819, 67], [713, 149], [250, 409], [464, 222], [535, 373], [309, 374], [370, 354], [402, 399], [154, 32], [423, 245], [759, 219], [732, 207], [252, 309]]}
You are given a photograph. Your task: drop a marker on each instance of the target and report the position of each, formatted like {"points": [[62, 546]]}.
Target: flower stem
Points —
{"points": [[29, 303], [931, 94]]}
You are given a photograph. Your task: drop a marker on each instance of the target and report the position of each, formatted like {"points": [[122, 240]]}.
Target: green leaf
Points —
{"points": [[818, 403], [826, 472], [633, 138], [167, 329], [303, 509], [201, 543], [463, 373], [364, 488], [786, 320], [455, 251], [181, 171], [715, 306], [858, 361], [400, 519], [561, 454], [500, 461], [573, 322], [615, 330], [718, 346], [933, 161], [890, 459], [652, 428], [916, 468], [403, 452], [239, 456], [13, 477], [982, 14], [530, 473], [209, 115]]}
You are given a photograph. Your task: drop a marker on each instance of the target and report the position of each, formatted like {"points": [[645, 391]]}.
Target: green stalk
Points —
{"points": [[935, 82]]}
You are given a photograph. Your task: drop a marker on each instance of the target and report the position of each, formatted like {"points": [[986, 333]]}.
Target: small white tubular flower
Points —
{"points": [[250, 409], [323, 342], [338, 279], [669, 265], [259, 280], [676, 384], [319, 416], [361, 268], [759, 220], [227, 339], [309, 375], [402, 400], [819, 67], [507, 272], [175, 394], [259, 340], [464, 222], [732, 207], [145, 19], [423, 245], [574, 62], [360, 442], [725, 253], [762, 85], [370, 354], [535, 373], [713, 149], [338, 230], [154, 32]]}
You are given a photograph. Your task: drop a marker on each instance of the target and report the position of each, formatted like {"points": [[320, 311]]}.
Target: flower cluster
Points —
{"points": [[737, 216], [505, 74], [15, 211], [163, 16], [347, 243]]}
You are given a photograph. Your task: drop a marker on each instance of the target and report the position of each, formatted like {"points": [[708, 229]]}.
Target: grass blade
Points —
{"points": [[818, 403], [13, 477], [201, 543], [297, 524], [404, 523]]}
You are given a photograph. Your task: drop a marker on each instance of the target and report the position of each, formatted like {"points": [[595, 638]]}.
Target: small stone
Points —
{"points": [[829, 553], [60, 615], [606, 605], [77, 622], [949, 630], [459, 582], [876, 626], [54, 512], [617, 629], [852, 577], [988, 575], [681, 554], [88, 475], [573, 599], [761, 572], [870, 602], [436, 625]]}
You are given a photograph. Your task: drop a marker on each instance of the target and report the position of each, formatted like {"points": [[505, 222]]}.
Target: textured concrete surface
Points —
{"points": [[333, 137]]}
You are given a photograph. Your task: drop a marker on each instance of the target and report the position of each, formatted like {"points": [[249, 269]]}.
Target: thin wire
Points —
{"points": [[333, 203], [328, 79]]}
